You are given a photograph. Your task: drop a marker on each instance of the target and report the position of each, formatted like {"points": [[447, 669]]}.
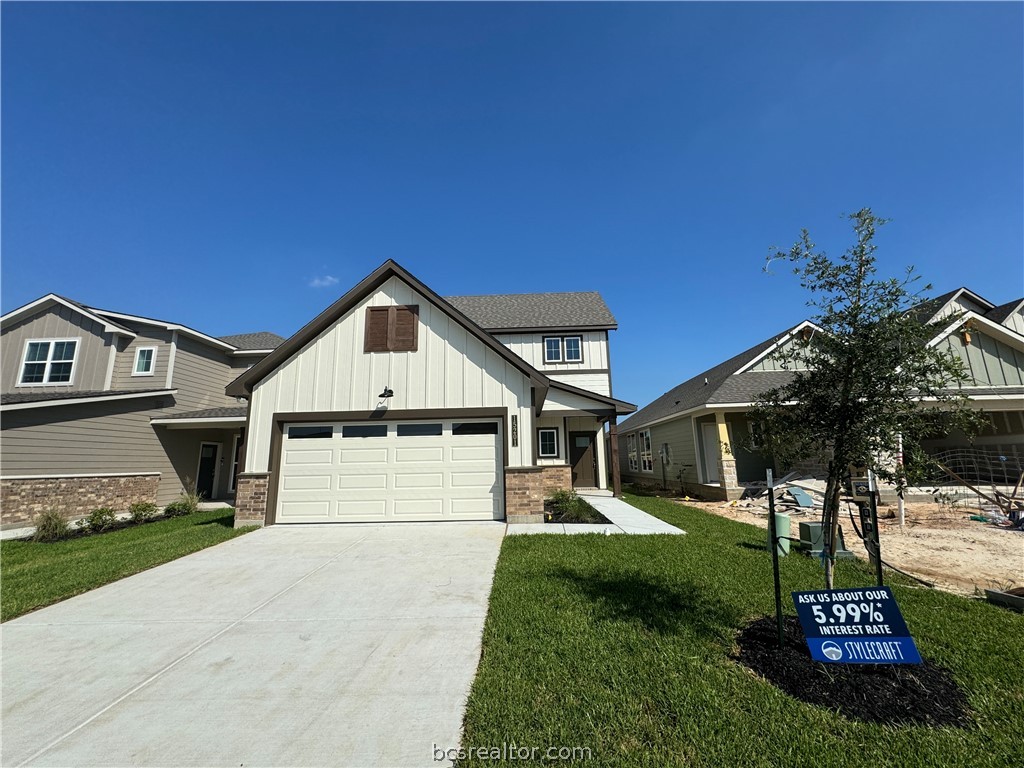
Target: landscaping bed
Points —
{"points": [[569, 508], [36, 574], [629, 646]]}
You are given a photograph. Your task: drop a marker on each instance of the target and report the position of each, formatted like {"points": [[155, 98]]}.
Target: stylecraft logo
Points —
{"points": [[832, 650]]}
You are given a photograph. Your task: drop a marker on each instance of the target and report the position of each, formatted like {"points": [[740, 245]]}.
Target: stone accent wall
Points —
{"points": [[22, 499], [526, 487], [251, 499]]}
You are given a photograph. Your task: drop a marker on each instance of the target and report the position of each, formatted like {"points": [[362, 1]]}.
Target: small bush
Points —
{"points": [[51, 525], [141, 511], [98, 520], [570, 508], [177, 508]]}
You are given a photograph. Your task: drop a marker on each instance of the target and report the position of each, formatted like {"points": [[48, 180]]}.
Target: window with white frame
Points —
{"points": [[631, 452], [552, 349], [51, 361], [646, 454], [573, 349], [145, 361], [547, 443]]}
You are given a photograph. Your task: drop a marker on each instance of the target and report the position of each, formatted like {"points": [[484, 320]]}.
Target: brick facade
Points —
{"points": [[21, 499], [526, 487], [251, 499]]}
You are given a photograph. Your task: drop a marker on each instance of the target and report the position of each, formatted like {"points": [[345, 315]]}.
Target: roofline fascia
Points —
{"points": [[16, 314], [81, 400], [243, 352], [621, 406], [553, 329], [786, 337], [998, 329], [243, 384], [184, 329], [205, 420]]}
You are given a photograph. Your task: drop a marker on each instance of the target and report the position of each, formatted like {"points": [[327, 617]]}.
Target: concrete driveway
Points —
{"points": [[349, 645]]}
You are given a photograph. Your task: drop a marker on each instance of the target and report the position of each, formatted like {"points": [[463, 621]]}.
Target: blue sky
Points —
{"points": [[237, 167]]}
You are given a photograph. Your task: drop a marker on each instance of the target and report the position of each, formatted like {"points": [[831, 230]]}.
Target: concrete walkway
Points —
{"points": [[625, 518], [310, 645]]}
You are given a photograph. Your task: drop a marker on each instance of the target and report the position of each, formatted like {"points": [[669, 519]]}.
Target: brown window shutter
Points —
{"points": [[376, 336], [405, 329]]}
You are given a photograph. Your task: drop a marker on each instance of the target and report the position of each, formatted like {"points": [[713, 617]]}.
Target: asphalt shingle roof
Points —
{"points": [[230, 412], [713, 385], [1000, 313], [258, 340], [536, 310]]}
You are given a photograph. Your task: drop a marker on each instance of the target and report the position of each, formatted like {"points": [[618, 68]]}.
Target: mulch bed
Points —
{"points": [[552, 516], [889, 694]]}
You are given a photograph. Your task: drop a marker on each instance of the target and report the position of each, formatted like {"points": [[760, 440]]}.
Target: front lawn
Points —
{"points": [[621, 644], [37, 574]]}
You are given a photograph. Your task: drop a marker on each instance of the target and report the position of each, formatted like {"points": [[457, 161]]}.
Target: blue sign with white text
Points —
{"points": [[855, 626]]}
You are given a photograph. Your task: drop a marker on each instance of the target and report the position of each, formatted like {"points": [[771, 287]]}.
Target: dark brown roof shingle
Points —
{"points": [[548, 311]]}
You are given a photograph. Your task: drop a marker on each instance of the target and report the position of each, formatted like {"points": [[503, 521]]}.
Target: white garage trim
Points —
{"points": [[340, 477]]}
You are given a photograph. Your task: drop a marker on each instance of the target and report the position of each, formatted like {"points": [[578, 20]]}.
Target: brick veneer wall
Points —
{"points": [[251, 499], [21, 499], [526, 487]]}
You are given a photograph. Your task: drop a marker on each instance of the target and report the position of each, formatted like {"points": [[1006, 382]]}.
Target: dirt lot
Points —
{"points": [[938, 543]]}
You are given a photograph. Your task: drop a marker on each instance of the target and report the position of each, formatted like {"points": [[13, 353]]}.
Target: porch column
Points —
{"points": [[613, 456], [726, 460]]}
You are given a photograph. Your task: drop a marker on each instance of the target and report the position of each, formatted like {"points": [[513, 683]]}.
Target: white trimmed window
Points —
{"points": [[631, 452], [646, 454], [573, 349], [547, 443], [48, 362], [145, 361], [552, 349]]}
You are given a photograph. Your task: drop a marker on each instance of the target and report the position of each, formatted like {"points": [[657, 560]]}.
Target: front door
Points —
{"points": [[207, 469], [711, 452], [583, 459]]}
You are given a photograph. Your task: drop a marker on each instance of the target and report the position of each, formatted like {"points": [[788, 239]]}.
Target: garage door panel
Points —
{"points": [[408, 471], [303, 510], [305, 456], [363, 455], [357, 509], [321, 482]]}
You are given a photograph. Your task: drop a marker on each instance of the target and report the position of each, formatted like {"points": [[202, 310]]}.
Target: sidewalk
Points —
{"points": [[624, 517]]}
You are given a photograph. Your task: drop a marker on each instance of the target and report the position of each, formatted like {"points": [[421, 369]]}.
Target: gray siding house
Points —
{"points": [[694, 435], [102, 408]]}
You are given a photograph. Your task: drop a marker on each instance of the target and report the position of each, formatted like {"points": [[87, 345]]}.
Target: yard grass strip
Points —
{"points": [[36, 574], [622, 645]]}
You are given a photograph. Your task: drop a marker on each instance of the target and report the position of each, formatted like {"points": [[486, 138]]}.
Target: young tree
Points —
{"points": [[865, 377]]}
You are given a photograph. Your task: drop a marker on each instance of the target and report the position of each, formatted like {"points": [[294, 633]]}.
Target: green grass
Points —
{"points": [[622, 644], [35, 574]]}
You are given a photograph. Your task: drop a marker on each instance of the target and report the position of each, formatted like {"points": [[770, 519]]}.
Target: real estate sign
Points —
{"points": [[855, 626]]}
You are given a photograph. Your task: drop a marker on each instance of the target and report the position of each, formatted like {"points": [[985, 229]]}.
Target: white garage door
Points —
{"points": [[390, 471]]}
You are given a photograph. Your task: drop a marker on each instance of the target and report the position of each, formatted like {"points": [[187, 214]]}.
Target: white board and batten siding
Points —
{"points": [[451, 369], [530, 347]]}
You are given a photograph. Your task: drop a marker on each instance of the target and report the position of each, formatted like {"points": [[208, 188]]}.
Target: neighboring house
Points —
{"points": [[694, 435], [395, 404], [101, 408]]}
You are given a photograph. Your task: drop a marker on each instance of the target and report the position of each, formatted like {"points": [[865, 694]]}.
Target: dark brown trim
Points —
{"points": [[613, 457], [243, 385], [576, 371], [608, 357], [562, 359], [544, 350], [278, 420]]}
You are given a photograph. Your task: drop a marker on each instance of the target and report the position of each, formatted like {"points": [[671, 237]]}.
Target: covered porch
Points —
{"points": [[204, 447]]}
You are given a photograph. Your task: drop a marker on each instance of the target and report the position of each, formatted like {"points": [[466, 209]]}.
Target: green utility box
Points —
{"points": [[812, 541]]}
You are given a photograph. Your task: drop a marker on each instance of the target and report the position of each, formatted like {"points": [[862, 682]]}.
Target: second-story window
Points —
{"points": [[49, 362], [145, 361], [552, 349], [573, 349], [563, 349]]}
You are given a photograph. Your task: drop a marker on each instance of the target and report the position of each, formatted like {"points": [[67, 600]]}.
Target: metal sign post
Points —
{"points": [[773, 543], [876, 539]]}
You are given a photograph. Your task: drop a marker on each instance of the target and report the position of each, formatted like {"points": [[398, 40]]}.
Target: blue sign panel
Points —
{"points": [[855, 626]]}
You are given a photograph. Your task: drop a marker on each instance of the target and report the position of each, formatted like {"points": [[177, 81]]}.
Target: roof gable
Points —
{"points": [[243, 385], [46, 302]]}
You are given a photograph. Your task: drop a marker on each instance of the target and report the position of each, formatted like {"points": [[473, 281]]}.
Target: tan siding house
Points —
{"points": [[142, 414]]}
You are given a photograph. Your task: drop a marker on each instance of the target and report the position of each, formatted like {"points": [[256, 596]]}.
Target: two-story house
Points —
{"points": [[103, 409], [395, 404]]}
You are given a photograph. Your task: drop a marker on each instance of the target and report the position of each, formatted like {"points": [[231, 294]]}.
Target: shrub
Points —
{"points": [[571, 508], [51, 525], [177, 508], [98, 520], [141, 511]]}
